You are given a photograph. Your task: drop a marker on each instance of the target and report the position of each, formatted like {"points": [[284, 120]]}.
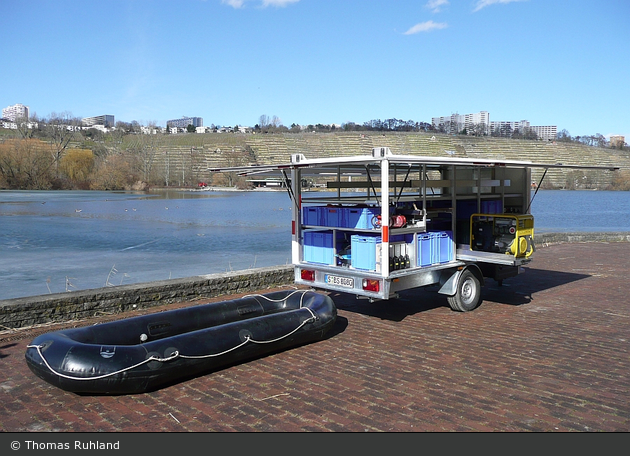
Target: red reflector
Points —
{"points": [[371, 285], [307, 275]]}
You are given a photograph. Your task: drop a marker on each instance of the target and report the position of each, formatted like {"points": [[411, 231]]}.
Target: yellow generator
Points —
{"points": [[511, 234]]}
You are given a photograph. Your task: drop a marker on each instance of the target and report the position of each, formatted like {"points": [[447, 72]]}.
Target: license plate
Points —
{"points": [[347, 282]]}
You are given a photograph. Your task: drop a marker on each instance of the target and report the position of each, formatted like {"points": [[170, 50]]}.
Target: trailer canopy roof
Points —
{"points": [[360, 162]]}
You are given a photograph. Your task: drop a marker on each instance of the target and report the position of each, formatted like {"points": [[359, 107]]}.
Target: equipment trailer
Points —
{"points": [[375, 225]]}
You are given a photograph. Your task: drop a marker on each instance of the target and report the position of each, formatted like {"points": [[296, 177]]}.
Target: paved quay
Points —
{"points": [[548, 351]]}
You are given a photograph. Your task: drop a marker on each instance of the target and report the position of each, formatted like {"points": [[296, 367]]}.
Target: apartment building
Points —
{"points": [[17, 111], [104, 120], [481, 118], [548, 132], [455, 123], [448, 124], [479, 123], [503, 128], [506, 128], [185, 121]]}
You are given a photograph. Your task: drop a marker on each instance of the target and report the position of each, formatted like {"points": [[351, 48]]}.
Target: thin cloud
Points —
{"points": [[237, 4], [234, 3], [426, 27], [436, 5], [278, 3], [483, 3]]}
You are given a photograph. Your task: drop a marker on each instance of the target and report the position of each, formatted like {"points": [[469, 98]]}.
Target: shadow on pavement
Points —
{"points": [[515, 291], [519, 290], [5, 347]]}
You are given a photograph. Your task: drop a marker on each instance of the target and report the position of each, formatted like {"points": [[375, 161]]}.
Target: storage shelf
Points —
{"points": [[392, 231], [372, 201]]}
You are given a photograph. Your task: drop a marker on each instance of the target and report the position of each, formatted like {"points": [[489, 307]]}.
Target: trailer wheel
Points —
{"points": [[468, 294]]}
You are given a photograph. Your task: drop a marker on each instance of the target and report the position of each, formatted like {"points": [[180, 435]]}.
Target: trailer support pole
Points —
{"points": [[385, 217], [296, 228]]}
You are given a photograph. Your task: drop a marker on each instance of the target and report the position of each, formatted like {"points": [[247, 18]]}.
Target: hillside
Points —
{"points": [[185, 158]]}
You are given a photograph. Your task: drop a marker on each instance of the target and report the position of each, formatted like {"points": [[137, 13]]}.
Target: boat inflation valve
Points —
{"points": [[244, 335], [154, 363], [171, 353]]}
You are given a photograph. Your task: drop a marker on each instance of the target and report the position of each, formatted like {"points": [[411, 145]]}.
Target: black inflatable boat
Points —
{"points": [[144, 353]]}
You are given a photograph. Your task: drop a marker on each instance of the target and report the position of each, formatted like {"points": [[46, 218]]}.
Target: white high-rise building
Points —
{"points": [[14, 112], [449, 124], [455, 123], [507, 128], [547, 132], [185, 121], [106, 120], [479, 124]]}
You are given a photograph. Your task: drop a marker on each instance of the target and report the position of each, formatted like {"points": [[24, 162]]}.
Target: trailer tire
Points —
{"points": [[468, 294]]}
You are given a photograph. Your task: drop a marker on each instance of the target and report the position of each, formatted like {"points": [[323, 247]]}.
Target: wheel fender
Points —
{"points": [[449, 279]]}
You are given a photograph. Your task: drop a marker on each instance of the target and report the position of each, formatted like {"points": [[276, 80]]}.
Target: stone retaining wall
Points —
{"points": [[78, 305]]}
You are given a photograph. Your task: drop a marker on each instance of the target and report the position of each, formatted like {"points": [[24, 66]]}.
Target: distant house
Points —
{"points": [[270, 182], [617, 141], [148, 130], [98, 127]]}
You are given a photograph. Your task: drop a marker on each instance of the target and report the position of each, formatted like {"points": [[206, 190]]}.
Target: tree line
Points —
{"points": [[58, 153], [273, 124]]}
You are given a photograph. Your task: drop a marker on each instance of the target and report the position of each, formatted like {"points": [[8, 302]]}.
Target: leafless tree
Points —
{"points": [[61, 130], [144, 149], [263, 121]]}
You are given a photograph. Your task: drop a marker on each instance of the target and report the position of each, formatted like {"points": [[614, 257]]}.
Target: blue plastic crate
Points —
{"points": [[363, 250], [444, 246], [360, 217], [466, 208], [333, 216], [407, 238], [352, 215], [313, 215], [491, 207], [318, 247], [426, 249]]}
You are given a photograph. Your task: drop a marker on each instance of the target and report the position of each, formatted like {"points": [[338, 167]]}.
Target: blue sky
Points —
{"points": [[552, 62]]}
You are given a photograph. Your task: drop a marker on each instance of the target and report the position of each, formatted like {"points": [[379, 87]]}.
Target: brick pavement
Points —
{"points": [[548, 351]]}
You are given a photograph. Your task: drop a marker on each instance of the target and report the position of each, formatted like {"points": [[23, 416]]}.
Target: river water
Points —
{"points": [[56, 241]]}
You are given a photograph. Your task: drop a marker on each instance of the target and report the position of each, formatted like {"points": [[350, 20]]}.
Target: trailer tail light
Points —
{"points": [[308, 275], [372, 285]]}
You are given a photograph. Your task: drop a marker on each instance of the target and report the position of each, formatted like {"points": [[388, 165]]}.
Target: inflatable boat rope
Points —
{"points": [[176, 354]]}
